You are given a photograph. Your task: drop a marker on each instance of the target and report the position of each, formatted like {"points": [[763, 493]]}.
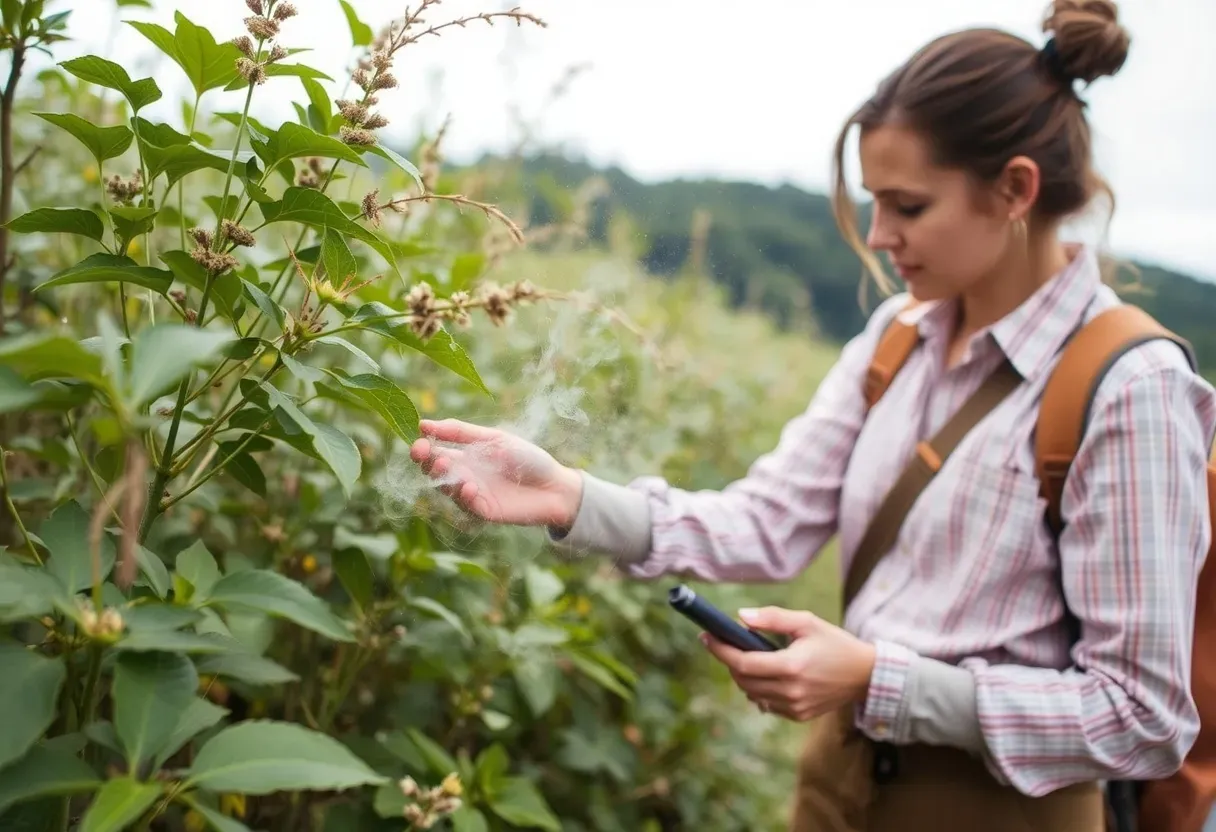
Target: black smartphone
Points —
{"points": [[715, 622]]}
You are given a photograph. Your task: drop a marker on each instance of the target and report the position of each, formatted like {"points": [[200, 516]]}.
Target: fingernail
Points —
{"points": [[704, 639], [747, 612]]}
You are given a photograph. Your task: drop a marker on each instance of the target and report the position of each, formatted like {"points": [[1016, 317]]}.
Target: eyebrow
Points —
{"points": [[895, 192]]}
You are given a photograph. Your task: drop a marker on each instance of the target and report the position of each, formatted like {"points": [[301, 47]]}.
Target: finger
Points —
{"points": [[746, 663], [769, 690], [454, 430], [796, 623]]}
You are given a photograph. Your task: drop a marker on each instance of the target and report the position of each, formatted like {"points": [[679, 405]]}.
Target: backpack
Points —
{"points": [[1182, 801]]}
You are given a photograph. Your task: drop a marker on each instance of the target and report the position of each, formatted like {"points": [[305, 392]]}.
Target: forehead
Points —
{"points": [[896, 158]]}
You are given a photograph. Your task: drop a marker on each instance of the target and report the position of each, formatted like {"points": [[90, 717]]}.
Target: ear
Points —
{"points": [[1018, 186]]}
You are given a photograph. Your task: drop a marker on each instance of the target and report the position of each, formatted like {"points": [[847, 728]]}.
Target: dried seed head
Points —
{"points": [[214, 262], [384, 81], [245, 44], [523, 292], [278, 53], [408, 786], [238, 234], [360, 77], [421, 299], [382, 61], [201, 236], [356, 136], [284, 11], [426, 328], [314, 163], [255, 6], [191, 316], [415, 814], [371, 207], [459, 299], [375, 121], [178, 295], [496, 303], [262, 28], [352, 111], [307, 179], [251, 71]]}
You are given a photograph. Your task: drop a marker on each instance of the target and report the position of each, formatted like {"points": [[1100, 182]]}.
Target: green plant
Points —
{"points": [[209, 614]]}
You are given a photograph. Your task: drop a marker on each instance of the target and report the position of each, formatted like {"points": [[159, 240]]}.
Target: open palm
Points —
{"points": [[497, 476]]}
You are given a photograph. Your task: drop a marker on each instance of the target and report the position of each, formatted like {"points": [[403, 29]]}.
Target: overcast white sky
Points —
{"points": [[752, 90]]}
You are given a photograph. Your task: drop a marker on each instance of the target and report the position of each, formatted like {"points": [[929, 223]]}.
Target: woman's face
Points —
{"points": [[942, 234]]}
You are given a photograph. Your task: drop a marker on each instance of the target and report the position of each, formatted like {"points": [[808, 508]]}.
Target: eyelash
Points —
{"points": [[911, 212]]}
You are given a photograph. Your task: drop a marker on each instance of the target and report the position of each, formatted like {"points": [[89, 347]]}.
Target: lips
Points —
{"points": [[907, 272]]}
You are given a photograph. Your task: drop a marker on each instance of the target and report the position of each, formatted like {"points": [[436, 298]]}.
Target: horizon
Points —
{"points": [[670, 91]]}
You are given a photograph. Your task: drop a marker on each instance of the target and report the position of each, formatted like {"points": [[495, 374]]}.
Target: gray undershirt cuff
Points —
{"points": [[612, 519], [941, 706]]}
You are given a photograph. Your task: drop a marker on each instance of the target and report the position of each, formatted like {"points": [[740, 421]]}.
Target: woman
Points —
{"points": [[958, 650]]}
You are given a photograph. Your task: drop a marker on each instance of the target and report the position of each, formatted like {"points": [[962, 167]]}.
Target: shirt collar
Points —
{"points": [[1032, 334]]}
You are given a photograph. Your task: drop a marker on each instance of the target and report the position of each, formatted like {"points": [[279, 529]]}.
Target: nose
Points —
{"points": [[881, 236]]}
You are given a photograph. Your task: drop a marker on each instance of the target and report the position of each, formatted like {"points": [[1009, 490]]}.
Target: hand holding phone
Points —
{"points": [[715, 622]]}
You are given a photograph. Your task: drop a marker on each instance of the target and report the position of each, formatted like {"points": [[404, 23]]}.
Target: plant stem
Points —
{"points": [[7, 171], [90, 685], [219, 466], [8, 500], [163, 471]]}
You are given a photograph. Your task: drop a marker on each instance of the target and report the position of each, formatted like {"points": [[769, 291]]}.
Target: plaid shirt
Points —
{"points": [[975, 580]]}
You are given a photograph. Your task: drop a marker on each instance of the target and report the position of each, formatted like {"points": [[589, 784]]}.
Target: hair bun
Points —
{"points": [[1089, 41]]}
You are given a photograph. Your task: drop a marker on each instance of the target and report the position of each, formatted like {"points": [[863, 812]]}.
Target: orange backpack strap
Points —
{"points": [[1069, 394], [894, 347]]}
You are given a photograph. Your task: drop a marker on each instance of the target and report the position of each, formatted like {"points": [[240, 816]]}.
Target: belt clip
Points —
{"points": [[886, 763]]}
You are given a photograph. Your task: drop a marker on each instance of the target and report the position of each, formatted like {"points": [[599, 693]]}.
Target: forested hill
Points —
{"points": [[778, 248]]}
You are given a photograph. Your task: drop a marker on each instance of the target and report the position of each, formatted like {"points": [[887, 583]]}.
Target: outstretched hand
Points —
{"points": [[822, 669], [497, 476]]}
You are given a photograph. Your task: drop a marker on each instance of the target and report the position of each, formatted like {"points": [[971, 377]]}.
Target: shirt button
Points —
{"points": [[882, 729]]}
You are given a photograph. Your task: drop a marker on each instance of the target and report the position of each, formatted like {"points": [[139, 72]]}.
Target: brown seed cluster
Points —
{"points": [[427, 807], [264, 26]]}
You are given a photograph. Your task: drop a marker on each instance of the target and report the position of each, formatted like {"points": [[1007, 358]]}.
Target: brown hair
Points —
{"points": [[983, 96]]}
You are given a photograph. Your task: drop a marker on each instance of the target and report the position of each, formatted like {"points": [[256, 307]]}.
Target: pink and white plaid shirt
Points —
{"points": [[975, 578]]}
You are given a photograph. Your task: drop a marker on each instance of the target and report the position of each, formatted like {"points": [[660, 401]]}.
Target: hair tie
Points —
{"points": [[1054, 64]]}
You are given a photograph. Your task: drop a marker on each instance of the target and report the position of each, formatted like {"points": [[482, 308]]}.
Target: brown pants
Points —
{"points": [[933, 789]]}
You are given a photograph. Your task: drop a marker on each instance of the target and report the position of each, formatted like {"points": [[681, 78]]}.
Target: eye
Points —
{"points": [[910, 211]]}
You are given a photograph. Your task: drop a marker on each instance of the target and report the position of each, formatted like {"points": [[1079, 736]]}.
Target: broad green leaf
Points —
{"points": [[45, 771], [318, 98], [442, 348], [60, 220], [360, 32], [103, 142], [294, 141], [27, 592], [537, 676], [118, 804], [544, 586], [264, 303], [29, 695], [245, 667], [356, 576], [468, 819], [154, 572], [197, 565], [336, 258], [598, 674], [226, 289], [301, 370], [332, 445], [108, 74], [11, 14], [335, 341], [150, 692], [311, 207], [387, 399], [196, 717], [400, 161], [280, 596], [178, 160], [131, 221], [208, 65], [439, 760], [153, 616], [243, 468], [171, 641], [519, 803], [15, 392], [66, 535], [162, 354], [217, 821], [491, 767], [261, 757], [111, 268], [39, 355], [438, 610]]}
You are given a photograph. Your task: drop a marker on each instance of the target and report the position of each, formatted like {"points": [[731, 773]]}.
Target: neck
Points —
{"points": [[1013, 281]]}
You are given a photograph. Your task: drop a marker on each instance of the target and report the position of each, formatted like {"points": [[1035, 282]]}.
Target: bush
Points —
{"points": [[227, 600]]}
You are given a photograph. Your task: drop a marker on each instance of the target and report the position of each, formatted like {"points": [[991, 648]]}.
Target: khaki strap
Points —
{"points": [[1069, 393], [883, 530]]}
